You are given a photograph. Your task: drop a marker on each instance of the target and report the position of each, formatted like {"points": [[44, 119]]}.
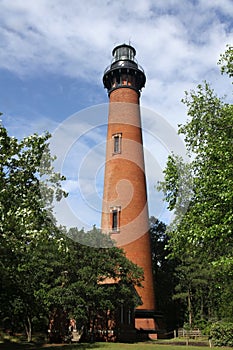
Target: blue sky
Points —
{"points": [[53, 54]]}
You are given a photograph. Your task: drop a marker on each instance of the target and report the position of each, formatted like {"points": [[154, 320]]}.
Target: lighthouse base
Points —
{"points": [[147, 324]]}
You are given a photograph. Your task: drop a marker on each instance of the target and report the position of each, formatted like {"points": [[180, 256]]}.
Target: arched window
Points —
{"points": [[115, 219], [117, 143]]}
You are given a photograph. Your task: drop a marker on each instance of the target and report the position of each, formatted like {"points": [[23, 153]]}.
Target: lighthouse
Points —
{"points": [[125, 208]]}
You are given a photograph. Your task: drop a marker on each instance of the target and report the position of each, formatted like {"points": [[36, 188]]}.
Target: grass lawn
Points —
{"points": [[103, 346], [19, 343]]}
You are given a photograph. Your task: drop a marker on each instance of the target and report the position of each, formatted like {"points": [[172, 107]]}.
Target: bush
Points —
{"points": [[221, 334]]}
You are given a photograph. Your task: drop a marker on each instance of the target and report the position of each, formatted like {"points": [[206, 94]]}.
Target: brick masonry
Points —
{"points": [[125, 187]]}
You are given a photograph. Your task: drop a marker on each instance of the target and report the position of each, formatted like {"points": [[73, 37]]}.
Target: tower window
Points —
{"points": [[116, 143], [115, 219]]}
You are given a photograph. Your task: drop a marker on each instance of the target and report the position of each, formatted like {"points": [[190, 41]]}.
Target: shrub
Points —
{"points": [[221, 334]]}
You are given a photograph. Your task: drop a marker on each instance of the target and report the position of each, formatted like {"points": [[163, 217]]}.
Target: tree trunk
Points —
{"points": [[190, 309], [28, 329]]}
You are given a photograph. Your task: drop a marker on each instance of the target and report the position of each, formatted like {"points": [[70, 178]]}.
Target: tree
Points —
{"points": [[205, 227], [209, 136], [226, 61], [94, 268], [164, 276], [26, 224], [193, 280]]}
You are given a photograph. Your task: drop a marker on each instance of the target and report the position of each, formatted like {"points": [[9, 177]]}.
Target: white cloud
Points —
{"points": [[75, 38], [225, 6]]}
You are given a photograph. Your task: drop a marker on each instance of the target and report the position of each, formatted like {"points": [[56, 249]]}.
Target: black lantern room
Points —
{"points": [[124, 70]]}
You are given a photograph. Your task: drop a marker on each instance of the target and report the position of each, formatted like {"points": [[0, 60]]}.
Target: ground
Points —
{"points": [[109, 346]]}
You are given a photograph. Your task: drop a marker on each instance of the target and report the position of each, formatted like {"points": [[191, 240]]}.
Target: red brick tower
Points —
{"points": [[125, 210]]}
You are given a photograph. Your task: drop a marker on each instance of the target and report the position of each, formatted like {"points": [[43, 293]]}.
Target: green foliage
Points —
{"points": [[93, 238], [200, 194], [221, 334], [226, 61], [163, 269], [27, 227], [193, 278], [81, 286]]}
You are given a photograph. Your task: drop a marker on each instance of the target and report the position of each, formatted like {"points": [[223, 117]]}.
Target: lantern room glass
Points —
{"points": [[124, 53]]}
